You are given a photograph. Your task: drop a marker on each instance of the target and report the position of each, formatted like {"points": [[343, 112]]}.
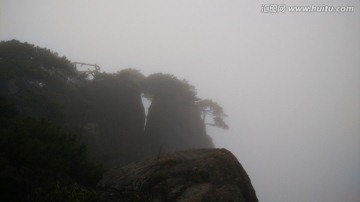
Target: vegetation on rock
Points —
{"points": [[53, 117]]}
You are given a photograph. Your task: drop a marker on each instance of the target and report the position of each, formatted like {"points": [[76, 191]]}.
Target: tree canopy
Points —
{"points": [[159, 84], [37, 159], [209, 107]]}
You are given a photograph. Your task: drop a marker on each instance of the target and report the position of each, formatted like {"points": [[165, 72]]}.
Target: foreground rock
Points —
{"points": [[192, 175]]}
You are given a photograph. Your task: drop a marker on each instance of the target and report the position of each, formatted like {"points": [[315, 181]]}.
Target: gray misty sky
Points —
{"points": [[290, 82]]}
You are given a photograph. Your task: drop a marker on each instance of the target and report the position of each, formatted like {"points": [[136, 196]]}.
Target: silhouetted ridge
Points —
{"points": [[106, 111]]}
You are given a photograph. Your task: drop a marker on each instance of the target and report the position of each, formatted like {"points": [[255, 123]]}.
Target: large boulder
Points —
{"points": [[191, 175]]}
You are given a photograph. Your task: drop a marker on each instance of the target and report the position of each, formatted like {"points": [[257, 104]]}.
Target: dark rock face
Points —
{"points": [[174, 119], [114, 121], [192, 175], [175, 124]]}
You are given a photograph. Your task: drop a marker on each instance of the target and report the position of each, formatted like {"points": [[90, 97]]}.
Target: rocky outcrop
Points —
{"points": [[175, 124], [174, 119], [192, 175], [115, 121]]}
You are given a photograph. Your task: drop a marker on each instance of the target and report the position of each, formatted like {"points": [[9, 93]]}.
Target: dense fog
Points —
{"points": [[289, 82]]}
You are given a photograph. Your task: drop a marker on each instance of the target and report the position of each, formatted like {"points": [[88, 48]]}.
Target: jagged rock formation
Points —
{"points": [[106, 112], [194, 175], [114, 119], [175, 124], [174, 120]]}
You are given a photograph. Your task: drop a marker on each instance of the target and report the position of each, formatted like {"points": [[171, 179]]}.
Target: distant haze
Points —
{"points": [[290, 82]]}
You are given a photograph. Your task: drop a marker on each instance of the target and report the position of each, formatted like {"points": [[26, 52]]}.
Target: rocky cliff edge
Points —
{"points": [[193, 175]]}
